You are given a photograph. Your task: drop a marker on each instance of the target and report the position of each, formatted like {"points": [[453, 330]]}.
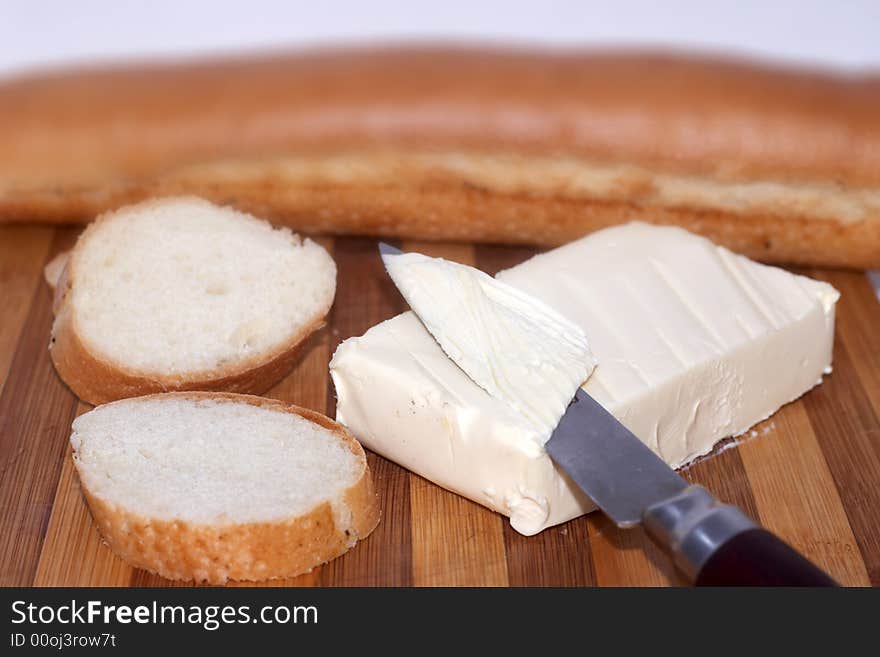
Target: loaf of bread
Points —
{"points": [[454, 144], [180, 294], [212, 487]]}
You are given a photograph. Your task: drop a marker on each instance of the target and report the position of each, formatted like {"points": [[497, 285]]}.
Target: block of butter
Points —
{"points": [[694, 344]]}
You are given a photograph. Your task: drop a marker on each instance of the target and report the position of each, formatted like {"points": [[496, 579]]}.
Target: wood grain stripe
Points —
{"points": [[848, 432], [145, 579], [812, 519], [365, 296], [23, 250], [35, 417], [627, 557], [558, 556], [455, 541], [724, 473], [857, 475], [858, 327]]}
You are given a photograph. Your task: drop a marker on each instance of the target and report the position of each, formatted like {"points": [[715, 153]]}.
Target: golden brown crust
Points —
{"points": [[464, 212], [221, 129], [98, 380], [694, 114], [247, 551], [440, 208]]}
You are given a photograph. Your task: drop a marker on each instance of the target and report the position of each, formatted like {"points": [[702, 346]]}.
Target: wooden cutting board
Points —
{"points": [[811, 473]]}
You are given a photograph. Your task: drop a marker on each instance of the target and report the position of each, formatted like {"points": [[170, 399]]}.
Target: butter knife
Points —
{"points": [[712, 544]]}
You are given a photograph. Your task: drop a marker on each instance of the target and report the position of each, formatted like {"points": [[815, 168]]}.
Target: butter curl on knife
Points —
{"points": [[514, 346]]}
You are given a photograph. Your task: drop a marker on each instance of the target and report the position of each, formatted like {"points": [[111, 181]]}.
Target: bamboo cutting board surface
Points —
{"points": [[811, 473]]}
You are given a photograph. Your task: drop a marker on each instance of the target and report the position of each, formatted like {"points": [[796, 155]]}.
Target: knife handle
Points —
{"points": [[756, 557], [716, 544]]}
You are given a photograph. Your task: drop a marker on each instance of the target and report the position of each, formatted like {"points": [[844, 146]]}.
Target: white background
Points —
{"points": [[36, 33]]}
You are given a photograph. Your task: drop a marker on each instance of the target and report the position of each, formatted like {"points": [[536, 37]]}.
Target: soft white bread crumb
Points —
{"points": [[179, 293], [183, 285], [217, 486], [209, 460]]}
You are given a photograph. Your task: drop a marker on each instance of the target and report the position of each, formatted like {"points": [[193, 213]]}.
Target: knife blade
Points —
{"points": [[622, 475], [711, 543]]}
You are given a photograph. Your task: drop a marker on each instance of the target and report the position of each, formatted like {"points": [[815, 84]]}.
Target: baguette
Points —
{"points": [[179, 294], [502, 146], [213, 487]]}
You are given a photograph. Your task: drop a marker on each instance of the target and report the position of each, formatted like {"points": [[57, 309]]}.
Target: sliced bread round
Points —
{"points": [[181, 294], [217, 486]]}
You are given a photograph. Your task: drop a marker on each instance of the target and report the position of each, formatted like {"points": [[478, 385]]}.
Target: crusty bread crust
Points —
{"points": [[246, 551], [709, 123], [98, 380], [418, 202]]}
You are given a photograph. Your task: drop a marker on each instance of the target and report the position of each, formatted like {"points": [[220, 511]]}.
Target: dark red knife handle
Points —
{"points": [[756, 557]]}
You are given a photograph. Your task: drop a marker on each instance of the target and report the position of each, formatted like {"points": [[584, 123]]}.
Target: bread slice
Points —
{"points": [[216, 486], [180, 294]]}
